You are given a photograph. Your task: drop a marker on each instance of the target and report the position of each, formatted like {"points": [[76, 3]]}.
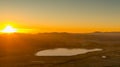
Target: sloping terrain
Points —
{"points": [[17, 50]]}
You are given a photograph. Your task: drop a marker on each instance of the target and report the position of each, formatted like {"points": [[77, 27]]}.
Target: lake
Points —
{"points": [[65, 51]]}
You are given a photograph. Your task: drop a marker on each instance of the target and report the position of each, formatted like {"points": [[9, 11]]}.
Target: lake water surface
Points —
{"points": [[65, 52]]}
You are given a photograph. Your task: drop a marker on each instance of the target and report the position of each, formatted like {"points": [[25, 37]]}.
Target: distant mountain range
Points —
{"points": [[106, 33]]}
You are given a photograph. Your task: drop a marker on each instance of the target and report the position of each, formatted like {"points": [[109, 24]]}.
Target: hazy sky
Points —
{"points": [[62, 15]]}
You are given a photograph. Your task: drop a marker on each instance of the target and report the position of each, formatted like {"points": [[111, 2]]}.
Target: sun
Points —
{"points": [[9, 29]]}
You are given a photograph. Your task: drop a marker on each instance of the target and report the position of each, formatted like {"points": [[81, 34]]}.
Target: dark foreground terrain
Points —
{"points": [[18, 50]]}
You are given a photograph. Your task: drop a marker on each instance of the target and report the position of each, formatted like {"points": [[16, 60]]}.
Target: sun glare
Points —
{"points": [[9, 29]]}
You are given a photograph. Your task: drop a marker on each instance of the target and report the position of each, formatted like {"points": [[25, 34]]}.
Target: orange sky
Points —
{"points": [[75, 16]]}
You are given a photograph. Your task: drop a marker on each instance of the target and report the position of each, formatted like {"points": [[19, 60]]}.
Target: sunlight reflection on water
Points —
{"points": [[65, 52]]}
